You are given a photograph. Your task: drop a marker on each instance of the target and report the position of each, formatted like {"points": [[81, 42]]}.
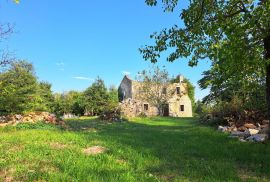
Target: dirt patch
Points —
{"points": [[16, 148], [168, 177], [6, 175], [58, 145], [250, 176], [94, 150]]}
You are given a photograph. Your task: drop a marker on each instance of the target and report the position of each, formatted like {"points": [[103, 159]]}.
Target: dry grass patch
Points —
{"points": [[7, 175], [16, 148], [94, 150], [58, 145], [250, 176], [121, 161]]}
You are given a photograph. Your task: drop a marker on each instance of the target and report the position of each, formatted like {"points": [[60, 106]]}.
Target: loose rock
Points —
{"points": [[222, 128], [265, 122], [250, 126], [265, 131], [239, 134], [258, 138], [242, 128], [265, 126], [252, 131], [30, 118]]}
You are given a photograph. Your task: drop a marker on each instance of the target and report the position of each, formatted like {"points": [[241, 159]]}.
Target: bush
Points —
{"points": [[142, 115], [233, 112], [111, 113]]}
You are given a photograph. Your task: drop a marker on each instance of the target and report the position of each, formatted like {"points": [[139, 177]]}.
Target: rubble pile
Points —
{"points": [[258, 132], [32, 117]]}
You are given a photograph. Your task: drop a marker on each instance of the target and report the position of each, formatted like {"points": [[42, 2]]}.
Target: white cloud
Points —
{"points": [[126, 73], [82, 78], [61, 69], [60, 63]]}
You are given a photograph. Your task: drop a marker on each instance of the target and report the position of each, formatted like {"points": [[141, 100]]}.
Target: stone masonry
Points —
{"points": [[178, 105]]}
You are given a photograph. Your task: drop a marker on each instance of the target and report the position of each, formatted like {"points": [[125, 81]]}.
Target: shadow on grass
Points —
{"points": [[176, 149]]}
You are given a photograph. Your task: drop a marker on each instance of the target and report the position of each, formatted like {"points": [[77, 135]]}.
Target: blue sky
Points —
{"points": [[72, 42]]}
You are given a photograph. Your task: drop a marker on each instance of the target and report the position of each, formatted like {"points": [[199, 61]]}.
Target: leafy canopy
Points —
{"points": [[18, 87], [213, 29]]}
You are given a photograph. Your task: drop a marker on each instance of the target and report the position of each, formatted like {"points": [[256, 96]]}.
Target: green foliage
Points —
{"points": [[70, 102], [201, 108], [111, 111], [16, 1], [96, 97], [21, 92], [95, 100], [18, 88], [225, 85], [46, 98], [213, 29]]}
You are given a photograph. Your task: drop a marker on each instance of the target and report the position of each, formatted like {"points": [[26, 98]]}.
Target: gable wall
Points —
{"points": [[125, 89]]}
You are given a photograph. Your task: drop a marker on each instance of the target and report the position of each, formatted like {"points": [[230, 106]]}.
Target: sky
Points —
{"points": [[71, 43]]}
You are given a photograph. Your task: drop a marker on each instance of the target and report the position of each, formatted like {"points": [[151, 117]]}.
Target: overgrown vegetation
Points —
{"points": [[235, 96]]}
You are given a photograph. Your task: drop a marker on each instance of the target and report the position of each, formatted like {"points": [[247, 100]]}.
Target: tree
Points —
{"points": [[78, 103], [69, 103], [154, 87], [234, 31], [96, 97], [45, 95], [111, 111], [18, 88], [224, 86], [113, 95]]}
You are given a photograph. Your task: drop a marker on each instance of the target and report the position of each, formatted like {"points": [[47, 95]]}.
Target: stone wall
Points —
{"points": [[125, 89], [132, 104], [132, 108], [175, 104]]}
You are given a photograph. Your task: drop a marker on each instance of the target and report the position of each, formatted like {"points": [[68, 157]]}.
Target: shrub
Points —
{"points": [[231, 112], [142, 115], [111, 112]]}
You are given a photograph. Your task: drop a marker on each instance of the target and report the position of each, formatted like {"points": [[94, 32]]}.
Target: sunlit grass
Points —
{"points": [[144, 149]]}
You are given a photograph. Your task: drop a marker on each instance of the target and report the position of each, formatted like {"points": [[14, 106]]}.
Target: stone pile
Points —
{"points": [[32, 117], [258, 132], [70, 116]]}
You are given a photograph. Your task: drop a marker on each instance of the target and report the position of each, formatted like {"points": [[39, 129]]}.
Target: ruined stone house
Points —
{"points": [[177, 105]]}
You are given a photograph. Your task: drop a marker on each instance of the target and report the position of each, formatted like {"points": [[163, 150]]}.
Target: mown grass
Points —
{"points": [[148, 149]]}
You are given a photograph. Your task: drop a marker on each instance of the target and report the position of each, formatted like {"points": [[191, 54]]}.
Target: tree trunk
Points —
{"points": [[267, 57]]}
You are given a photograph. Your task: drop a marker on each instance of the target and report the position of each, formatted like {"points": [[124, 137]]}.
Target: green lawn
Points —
{"points": [[157, 149]]}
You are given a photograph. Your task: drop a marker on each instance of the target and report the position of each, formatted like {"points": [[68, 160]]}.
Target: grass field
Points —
{"points": [[148, 149]]}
